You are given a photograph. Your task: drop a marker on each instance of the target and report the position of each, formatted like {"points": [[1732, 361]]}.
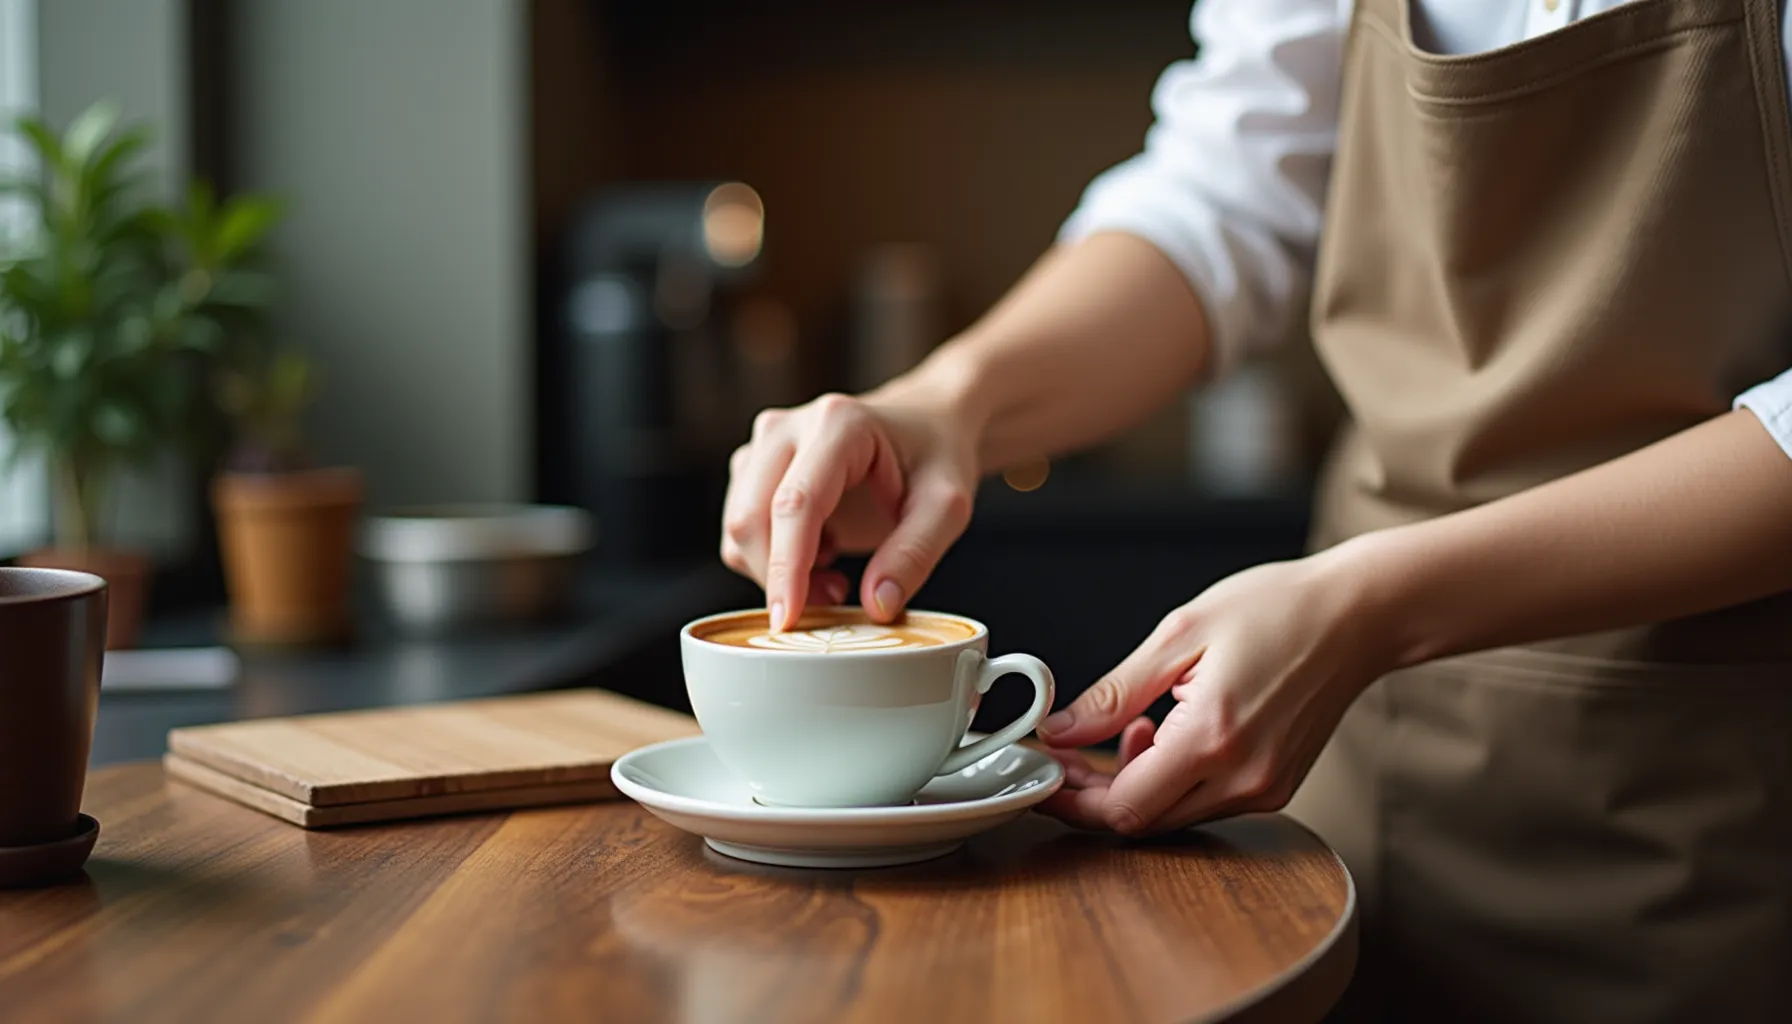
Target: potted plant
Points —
{"points": [[286, 525], [109, 315]]}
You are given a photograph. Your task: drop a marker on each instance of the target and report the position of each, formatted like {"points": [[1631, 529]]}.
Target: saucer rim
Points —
{"points": [[763, 814]]}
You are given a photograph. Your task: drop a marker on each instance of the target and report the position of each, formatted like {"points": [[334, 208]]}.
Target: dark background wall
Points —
{"points": [[971, 128]]}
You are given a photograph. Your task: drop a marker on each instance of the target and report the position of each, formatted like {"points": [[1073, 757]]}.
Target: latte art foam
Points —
{"points": [[835, 631], [830, 639]]}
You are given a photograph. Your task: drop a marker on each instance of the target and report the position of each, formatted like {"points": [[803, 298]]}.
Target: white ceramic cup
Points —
{"points": [[863, 728]]}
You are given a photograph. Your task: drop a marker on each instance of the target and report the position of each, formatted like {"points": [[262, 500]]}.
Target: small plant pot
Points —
{"points": [[287, 541], [127, 584]]}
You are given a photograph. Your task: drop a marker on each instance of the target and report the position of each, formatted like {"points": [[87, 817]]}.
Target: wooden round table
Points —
{"points": [[196, 909]]}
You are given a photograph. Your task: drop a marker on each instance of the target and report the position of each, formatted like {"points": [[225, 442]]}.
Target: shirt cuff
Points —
{"points": [[1771, 402]]}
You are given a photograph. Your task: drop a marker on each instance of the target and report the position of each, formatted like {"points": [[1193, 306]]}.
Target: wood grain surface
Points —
{"points": [[196, 909], [391, 754]]}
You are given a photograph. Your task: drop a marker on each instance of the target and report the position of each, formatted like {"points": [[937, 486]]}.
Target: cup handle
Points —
{"points": [[991, 670]]}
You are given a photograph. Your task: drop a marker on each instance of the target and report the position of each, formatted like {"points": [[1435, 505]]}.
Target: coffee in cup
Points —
{"points": [[843, 711], [835, 631]]}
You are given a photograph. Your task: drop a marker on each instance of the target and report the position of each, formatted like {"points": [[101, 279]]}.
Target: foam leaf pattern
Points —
{"points": [[833, 639]]}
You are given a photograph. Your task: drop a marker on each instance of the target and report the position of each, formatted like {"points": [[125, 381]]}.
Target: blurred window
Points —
{"points": [[24, 511]]}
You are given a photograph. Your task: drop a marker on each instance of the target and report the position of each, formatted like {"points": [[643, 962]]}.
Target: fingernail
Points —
{"points": [[887, 596], [777, 616], [1057, 722], [1125, 821]]}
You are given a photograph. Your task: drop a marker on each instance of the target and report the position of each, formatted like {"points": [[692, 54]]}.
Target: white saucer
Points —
{"points": [[682, 782]]}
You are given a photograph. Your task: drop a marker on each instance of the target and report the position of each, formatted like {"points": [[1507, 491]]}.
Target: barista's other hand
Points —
{"points": [[1262, 665]]}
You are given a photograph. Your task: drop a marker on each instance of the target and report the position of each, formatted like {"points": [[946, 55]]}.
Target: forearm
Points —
{"points": [[1699, 521], [1092, 340]]}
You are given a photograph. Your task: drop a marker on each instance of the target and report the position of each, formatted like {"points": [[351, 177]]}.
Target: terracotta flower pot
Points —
{"points": [[287, 542], [127, 582]]}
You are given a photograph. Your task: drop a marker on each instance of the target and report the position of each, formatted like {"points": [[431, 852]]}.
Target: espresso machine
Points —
{"points": [[648, 403]]}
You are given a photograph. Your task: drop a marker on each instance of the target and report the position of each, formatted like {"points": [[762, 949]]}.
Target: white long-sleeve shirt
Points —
{"points": [[1231, 182]]}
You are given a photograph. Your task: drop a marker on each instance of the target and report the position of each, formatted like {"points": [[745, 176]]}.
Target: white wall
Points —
{"points": [[397, 131], [134, 52]]}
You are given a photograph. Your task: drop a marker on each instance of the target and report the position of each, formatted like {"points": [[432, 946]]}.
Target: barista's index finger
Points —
{"points": [[827, 462]]}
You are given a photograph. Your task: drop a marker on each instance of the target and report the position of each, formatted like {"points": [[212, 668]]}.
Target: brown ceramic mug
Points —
{"points": [[52, 640]]}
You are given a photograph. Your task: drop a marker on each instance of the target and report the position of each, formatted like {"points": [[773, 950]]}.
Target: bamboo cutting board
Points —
{"points": [[360, 766]]}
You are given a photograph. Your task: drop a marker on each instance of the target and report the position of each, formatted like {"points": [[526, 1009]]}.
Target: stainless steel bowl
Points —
{"points": [[448, 566]]}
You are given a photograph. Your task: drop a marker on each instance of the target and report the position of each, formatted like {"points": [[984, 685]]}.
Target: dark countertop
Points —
{"points": [[621, 633]]}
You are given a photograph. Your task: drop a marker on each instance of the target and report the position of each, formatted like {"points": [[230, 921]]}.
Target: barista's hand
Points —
{"points": [[892, 475], [1262, 666]]}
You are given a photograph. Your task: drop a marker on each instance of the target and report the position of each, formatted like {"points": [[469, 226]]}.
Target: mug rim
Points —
{"points": [[978, 632], [74, 585]]}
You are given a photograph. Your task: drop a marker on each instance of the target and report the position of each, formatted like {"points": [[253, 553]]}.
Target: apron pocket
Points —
{"points": [[1606, 840]]}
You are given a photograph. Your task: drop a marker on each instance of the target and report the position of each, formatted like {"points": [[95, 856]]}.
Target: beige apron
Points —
{"points": [[1534, 260]]}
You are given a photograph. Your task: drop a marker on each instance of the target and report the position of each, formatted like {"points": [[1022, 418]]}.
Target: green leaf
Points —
{"points": [[119, 286], [88, 130], [156, 222], [43, 140], [195, 284], [201, 334], [117, 153], [244, 289], [118, 425], [168, 306], [22, 288], [134, 334], [246, 221], [110, 177], [71, 353]]}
